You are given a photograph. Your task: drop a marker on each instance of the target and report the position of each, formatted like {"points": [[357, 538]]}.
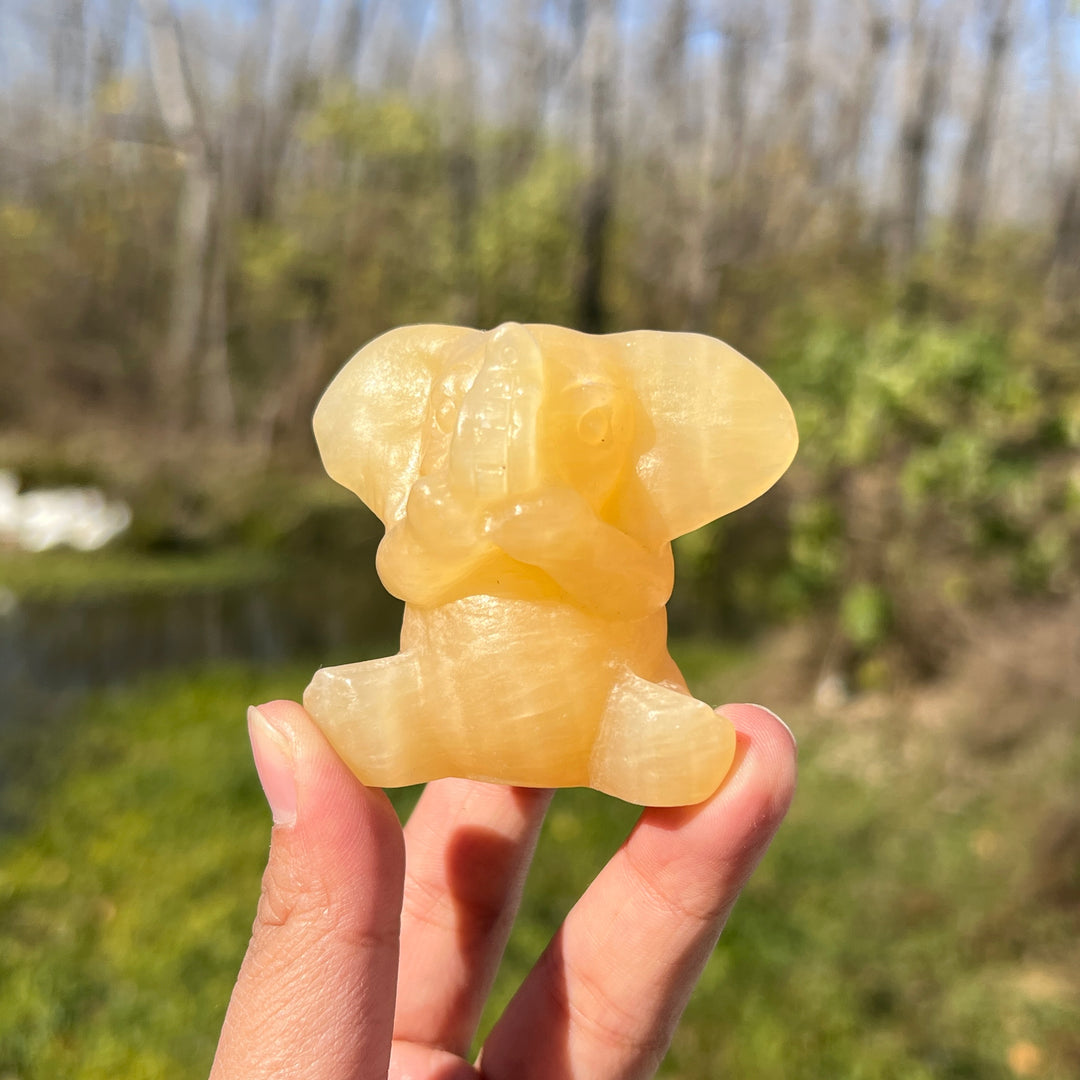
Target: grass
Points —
{"points": [[900, 928], [63, 574]]}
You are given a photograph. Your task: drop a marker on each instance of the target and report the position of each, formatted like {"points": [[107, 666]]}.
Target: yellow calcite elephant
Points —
{"points": [[531, 479]]}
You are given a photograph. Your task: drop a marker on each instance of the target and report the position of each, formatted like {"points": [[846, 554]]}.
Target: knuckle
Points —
{"points": [[679, 897], [285, 900], [473, 916], [307, 910], [583, 999]]}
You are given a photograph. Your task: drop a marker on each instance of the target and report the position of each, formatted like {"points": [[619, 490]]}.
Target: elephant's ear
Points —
{"points": [[724, 433], [370, 422]]}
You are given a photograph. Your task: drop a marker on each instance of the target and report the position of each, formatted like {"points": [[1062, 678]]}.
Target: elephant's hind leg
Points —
{"points": [[659, 747], [374, 716]]}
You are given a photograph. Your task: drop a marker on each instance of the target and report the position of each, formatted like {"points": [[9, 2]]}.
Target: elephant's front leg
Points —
{"points": [[659, 746], [374, 715]]}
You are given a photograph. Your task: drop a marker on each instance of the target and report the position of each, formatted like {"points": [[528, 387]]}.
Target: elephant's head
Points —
{"points": [[682, 418], [507, 418]]}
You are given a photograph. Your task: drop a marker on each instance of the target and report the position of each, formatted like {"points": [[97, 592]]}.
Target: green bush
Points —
{"points": [[937, 469]]}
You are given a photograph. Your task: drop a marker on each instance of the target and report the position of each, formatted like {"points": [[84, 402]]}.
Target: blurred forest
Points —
{"points": [[206, 208]]}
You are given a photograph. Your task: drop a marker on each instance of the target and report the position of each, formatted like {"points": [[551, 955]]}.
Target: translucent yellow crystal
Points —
{"points": [[531, 479]]}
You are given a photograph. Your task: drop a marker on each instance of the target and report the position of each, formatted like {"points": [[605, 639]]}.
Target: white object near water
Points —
{"points": [[79, 517]]}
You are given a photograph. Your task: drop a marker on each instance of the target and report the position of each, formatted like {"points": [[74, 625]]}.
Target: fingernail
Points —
{"points": [[274, 762], [794, 741]]}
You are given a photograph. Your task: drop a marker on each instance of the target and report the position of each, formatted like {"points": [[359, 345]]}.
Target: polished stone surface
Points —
{"points": [[531, 479]]}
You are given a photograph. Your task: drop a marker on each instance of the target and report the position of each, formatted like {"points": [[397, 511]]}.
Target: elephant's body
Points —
{"points": [[514, 655]]}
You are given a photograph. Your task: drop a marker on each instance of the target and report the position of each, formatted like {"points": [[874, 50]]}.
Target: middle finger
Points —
{"points": [[468, 846]]}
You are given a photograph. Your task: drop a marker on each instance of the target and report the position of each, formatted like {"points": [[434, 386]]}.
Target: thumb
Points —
{"points": [[315, 995]]}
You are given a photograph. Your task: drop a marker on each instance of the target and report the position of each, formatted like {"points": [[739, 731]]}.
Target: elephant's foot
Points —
{"points": [[659, 747], [370, 712]]}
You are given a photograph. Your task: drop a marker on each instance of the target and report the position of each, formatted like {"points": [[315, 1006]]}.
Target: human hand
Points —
{"points": [[374, 948]]}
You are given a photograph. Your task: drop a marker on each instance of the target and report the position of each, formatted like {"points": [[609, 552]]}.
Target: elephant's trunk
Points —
{"points": [[495, 451]]}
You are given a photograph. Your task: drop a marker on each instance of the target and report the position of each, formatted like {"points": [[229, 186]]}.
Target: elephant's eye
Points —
{"points": [[594, 427], [445, 415]]}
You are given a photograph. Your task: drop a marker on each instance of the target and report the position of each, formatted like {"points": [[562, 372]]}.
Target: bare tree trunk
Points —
{"points": [[737, 35], [1058, 104], [669, 74], [786, 192], [199, 200], [68, 49], [352, 23], [701, 226], [111, 42], [188, 295], [461, 165], [284, 412], [856, 111], [971, 186], [1063, 271], [665, 177], [246, 131], [721, 211], [796, 121], [926, 64], [527, 87], [392, 45], [273, 102], [1063, 282], [599, 57], [216, 405]]}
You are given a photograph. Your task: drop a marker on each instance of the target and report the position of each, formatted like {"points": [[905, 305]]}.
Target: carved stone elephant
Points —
{"points": [[530, 479]]}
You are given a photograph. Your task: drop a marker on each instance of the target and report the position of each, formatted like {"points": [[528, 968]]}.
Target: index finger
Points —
{"points": [[604, 999], [314, 997]]}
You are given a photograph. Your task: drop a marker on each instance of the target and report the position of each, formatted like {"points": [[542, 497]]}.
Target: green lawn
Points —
{"points": [[63, 574], [903, 925]]}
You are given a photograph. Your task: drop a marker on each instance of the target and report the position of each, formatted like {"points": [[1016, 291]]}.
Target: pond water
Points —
{"points": [[50, 647], [54, 650]]}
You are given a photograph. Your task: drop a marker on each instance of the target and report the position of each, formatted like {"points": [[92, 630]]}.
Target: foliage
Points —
{"points": [[864, 615], [939, 412], [898, 928], [526, 243], [937, 470]]}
